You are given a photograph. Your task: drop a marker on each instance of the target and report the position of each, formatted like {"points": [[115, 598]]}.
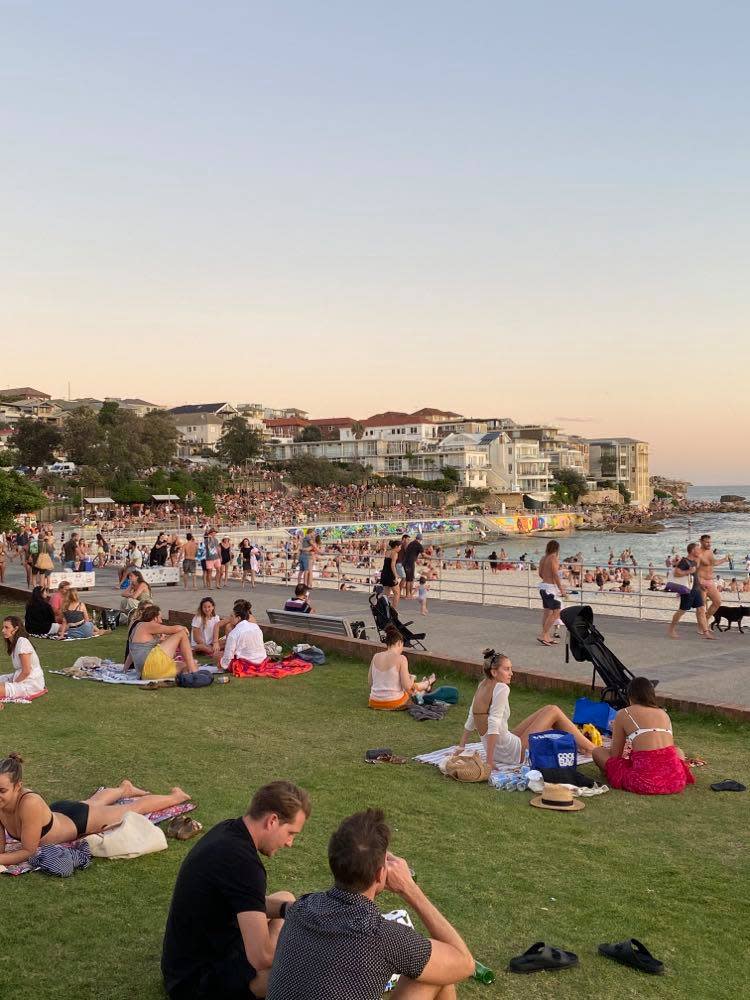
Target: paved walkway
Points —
{"points": [[717, 672]]}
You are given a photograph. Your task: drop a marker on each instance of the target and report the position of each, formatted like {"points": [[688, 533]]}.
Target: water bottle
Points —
{"points": [[482, 974], [221, 678], [522, 784], [510, 784]]}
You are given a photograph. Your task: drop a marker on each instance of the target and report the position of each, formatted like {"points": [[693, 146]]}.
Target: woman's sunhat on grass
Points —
{"points": [[557, 797]]}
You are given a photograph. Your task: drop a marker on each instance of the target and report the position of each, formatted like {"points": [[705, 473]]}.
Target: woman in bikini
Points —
{"points": [[654, 765], [490, 711], [26, 817]]}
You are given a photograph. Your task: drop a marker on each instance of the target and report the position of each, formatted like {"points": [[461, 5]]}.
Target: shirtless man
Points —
{"points": [[707, 562], [550, 589], [189, 552], [693, 600]]}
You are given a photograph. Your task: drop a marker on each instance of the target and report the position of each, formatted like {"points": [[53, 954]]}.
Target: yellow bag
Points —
{"points": [[158, 666]]}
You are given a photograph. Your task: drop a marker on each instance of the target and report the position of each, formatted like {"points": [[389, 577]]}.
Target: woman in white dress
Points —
{"points": [[27, 679]]}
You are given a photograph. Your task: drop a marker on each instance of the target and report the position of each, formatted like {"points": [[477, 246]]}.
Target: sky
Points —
{"points": [[528, 210]]}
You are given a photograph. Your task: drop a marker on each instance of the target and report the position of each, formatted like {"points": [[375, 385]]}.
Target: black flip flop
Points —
{"points": [[634, 954], [541, 957], [728, 786]]}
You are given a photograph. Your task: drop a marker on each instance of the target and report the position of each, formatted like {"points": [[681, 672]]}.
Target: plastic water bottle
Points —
{"points": [[510, 784], [522, 784], [482, 974]]}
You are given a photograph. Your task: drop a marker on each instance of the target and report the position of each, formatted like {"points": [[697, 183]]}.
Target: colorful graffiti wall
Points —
{"points": [[387, 529], [522, 524]]}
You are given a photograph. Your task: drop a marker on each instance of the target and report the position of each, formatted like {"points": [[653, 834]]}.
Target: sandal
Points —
{"points": [[728, 786], [541, 957], [543, 641], [634, 954]]}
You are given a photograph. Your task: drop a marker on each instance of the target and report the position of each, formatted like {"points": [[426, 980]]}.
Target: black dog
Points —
{"points": [[732, 614]]}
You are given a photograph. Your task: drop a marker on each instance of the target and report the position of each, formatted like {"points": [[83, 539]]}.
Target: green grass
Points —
{"points": [[672, 872]]}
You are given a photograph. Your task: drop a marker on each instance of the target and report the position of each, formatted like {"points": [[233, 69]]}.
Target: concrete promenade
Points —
{"points": [[715, 672]]}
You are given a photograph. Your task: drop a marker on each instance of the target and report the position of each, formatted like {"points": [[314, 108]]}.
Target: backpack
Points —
{"points": [[552, 749]]}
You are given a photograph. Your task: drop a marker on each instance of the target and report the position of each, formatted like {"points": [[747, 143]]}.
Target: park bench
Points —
{"points": [[320, 624]]}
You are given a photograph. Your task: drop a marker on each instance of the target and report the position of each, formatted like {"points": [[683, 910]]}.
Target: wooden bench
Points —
{"points": [[320, 624]]}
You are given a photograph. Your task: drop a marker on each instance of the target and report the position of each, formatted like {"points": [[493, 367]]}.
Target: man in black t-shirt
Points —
{"points": [[337, 943], [222, 928]]}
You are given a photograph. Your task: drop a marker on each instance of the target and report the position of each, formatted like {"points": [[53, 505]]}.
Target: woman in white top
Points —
{"points": [[204, 629], [28, 678], [391, 684], [245, 640], [490, 711]]}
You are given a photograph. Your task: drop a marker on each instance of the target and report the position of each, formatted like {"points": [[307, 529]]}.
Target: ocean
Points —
{"points": [[730, 534]]}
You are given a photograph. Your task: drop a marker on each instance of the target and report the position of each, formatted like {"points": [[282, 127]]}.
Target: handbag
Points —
{"points": [[134, 836], [44, 562], [552, 749], [467, 767]]}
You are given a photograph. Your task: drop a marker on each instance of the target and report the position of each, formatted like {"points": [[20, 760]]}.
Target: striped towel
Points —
{"points": [[439, 755]]}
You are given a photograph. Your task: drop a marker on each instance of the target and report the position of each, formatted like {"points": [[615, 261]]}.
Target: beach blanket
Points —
{"points": [[22, 701], [439, 755], [106, 673], [66, 638], [156, 817], [269, 668]]}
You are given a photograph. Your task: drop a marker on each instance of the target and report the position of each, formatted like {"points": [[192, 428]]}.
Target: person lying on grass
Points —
{"points": [[152, 647], [490, 711], [655, 765], [337, 943], [222, 928], [27, 678], [25, 816], [391, 684]]}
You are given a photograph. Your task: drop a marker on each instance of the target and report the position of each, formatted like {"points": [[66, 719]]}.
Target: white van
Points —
{"points": [[62, 468]]}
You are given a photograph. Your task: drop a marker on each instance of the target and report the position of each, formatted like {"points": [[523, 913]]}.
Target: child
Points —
{"points": [[422, 594]]}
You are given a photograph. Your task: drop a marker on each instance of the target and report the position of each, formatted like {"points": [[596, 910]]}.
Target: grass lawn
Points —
{"points": [[672, 872]]}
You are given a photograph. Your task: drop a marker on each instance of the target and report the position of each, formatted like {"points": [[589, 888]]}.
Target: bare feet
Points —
{"points": [[671, 635], [129, 790], [180, 795], [707, 635]]}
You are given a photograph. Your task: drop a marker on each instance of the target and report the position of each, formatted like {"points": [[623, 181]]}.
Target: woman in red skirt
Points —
{"points": [[643, 757]]}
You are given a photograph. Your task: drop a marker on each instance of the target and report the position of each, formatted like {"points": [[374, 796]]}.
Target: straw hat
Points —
{"points": [[557, 797], [467, 767]]}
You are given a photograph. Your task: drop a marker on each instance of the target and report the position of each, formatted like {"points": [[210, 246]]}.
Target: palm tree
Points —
{"points": [[358, 430]]}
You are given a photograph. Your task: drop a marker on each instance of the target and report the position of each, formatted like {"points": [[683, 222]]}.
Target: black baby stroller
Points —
{"points": [[586, 642], [385, 614]]}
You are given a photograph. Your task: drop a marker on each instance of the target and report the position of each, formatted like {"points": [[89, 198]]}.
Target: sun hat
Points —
{"points": [[557, 797]]}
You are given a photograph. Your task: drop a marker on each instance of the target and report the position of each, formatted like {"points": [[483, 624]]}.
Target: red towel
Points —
{"points": [[269, 668]]}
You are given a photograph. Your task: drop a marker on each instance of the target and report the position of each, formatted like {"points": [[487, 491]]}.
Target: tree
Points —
{"points": [[239, 442], [450, 474], [311, 434], [82, 437], [123, 451], [625, 493], [358, 430], [35, 441], [160, 435], [109, 413], [17, 496], [573, 483]]}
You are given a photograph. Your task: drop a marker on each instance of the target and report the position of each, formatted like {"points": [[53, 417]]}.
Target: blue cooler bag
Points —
{"points": [[598, 713], [552, 749]]}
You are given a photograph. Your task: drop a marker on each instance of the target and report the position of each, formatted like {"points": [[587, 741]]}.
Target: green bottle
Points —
{"points": [[482, 974]]}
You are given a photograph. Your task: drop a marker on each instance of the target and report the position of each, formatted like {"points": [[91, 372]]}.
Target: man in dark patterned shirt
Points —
{"points": [[335, 945]]}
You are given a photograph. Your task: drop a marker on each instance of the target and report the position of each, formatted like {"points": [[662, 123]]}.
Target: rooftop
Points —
{"points": [[197, 408], [23, 392]]}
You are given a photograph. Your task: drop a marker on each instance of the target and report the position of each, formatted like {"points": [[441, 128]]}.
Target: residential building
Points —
{"points": [[331, 427], [269, 413], [622, 460], [23, 392], [285, 427], [200, 425], [138, 406], [565, 451], [409, 431]]}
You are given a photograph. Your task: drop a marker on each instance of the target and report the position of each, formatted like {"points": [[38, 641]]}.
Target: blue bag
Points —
{"points": [[598, 713], [197, 679], [552, 749]]}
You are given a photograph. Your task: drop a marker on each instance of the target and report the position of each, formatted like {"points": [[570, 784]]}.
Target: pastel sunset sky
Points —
{"points": [[527, 210]]}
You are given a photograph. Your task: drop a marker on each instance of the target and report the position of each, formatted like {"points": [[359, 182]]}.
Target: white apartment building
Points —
{"points": [[411, 431], [622, 460], [200, 425]]}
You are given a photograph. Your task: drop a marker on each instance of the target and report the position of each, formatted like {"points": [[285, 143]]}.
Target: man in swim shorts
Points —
{"points": [[551, 589]]}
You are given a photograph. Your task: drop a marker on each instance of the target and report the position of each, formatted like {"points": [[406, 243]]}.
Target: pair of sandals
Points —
{"points": [[542, 957]]}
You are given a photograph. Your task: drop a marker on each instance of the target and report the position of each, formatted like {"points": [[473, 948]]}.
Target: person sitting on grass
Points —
{"points": [[222, 928], [337, 943], [39, 618], [244, 639], [204, 629], [27, 679], [154, 645], [25, 816], [655, 765], [136, 591], [299, 602], [391, 684], [490, 711], [76, 623]]}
